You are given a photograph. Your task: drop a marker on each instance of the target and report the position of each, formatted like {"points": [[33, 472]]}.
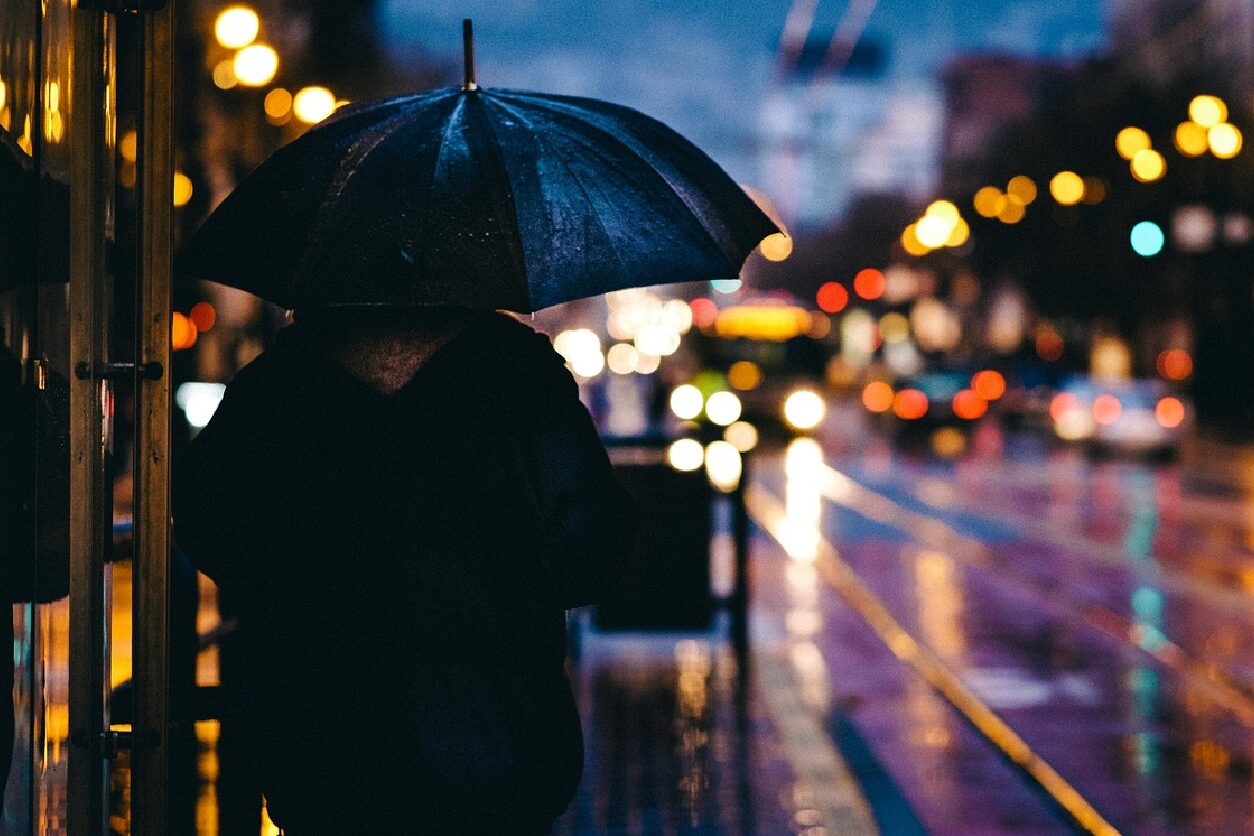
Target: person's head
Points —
{"points": [[349, 320]]}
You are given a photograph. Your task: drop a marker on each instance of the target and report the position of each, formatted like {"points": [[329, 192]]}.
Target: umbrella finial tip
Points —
{"points": [[468, 53]]}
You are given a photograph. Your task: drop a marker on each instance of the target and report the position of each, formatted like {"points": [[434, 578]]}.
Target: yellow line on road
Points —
{"points": [[769, 513]]}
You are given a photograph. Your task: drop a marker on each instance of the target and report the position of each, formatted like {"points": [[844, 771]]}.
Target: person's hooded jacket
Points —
{"points": [[402, 566]]}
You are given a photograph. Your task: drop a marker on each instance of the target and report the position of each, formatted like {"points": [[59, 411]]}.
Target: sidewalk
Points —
{"points": [[680, 742]]}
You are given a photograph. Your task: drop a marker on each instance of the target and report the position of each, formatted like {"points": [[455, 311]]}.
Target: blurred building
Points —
{"points": [[1167, 39], [828, 135], [985, 94]]}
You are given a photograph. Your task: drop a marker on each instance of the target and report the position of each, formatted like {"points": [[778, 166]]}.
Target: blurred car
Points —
{"points": [[1124, 416], [922, 405]]}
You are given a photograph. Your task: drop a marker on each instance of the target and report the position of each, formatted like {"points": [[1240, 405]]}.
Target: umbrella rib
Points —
{"points": [[559, 107], [358, 154], [539, 137], [348, 167], [522, 252]]}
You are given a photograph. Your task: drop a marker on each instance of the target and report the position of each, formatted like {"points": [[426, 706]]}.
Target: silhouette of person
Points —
{"points": [[403, 503]]}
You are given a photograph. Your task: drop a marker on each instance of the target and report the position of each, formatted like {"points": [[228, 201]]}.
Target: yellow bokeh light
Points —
{"points": [[256, 65], [776, 247], [894, 327], [1131, 140], [989, 202], [224, 75], [278, 104], [958, 235], [182, 188], [943, 209], [1012, 211], [744, 375], [4, 93], [1224, 140], [1207, 110], [911, 243], [1191, 139], [313, 104], [127, 146], [1148, 166], [236, 27], [1067, 187], [686, 454], [1094, 190], [1022, 187], [933, 230]]}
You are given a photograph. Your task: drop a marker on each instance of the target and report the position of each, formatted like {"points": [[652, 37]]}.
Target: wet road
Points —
{"points": [[1090, 619]]}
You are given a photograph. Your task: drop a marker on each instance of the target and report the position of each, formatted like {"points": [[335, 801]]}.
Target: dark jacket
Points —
{"points": [[403, 565]]}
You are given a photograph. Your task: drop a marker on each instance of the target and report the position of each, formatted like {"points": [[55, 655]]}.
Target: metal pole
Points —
{"points": [[90, 193], [150, 740], [468, 55]]}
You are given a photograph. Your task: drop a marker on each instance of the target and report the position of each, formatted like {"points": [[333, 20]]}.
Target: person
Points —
{"points": [[402, 504]]}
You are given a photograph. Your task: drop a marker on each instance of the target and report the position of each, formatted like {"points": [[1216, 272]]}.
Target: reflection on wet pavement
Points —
{"points": [[1098, 609]]}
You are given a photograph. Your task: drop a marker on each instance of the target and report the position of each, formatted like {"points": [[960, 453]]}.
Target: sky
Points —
{"points": [[702, 67]]}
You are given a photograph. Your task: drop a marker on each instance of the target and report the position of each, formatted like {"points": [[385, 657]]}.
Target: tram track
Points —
{"points": [[770, 515], [1230, 692]]}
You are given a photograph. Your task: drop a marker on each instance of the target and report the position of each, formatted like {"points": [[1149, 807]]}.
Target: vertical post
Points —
{"points": [[90, 186], [468, 56], [151, 738]]}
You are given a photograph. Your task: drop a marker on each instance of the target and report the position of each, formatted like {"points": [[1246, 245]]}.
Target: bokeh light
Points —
{"points": [[1147, 239], [1225, 140], [687, 402], [1131, 140], [989, 201], [278, 105], [1148, 166], [1175, 364], [203, 316], [869, 283], [686, 454], [832, 297], [910, 241], [704, 312], [723, 465], [742, 435], [988, 384], [1191, 139], [1012, 210], [182, 332], [969, 406], [313, 104], [1169, 412], [1208, 110], [236, 27], [910, 404], [804, 409], [722, 408], [877, 396], [776, 247], [1067, 187], [1023, 188], [622, 358], [182, 189], [1106, 409], [256, 65], [744, 375]]}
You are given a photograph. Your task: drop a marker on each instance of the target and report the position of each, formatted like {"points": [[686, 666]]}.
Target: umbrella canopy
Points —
{"points": [[477, 197]]}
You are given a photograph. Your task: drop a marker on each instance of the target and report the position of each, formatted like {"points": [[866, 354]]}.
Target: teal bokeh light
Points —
{"points": [[1147, 239]]}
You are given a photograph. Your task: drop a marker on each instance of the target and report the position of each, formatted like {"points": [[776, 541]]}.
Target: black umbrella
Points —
{"points": [[477, 197]]}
